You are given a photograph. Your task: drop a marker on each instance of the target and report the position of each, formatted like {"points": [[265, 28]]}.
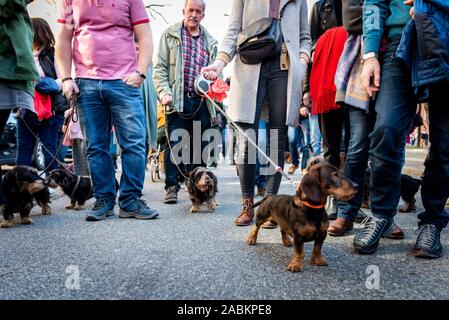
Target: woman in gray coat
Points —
{"points": [[277, 81]]}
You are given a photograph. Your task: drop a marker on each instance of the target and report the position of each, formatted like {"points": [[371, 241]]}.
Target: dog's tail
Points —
{"points": [[258, 203]]}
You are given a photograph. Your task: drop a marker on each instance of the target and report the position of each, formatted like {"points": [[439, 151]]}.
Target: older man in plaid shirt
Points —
{"points": [[184, 49]]}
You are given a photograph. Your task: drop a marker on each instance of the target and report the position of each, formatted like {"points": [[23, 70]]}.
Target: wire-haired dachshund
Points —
{"points": [[303, 216], [202, 188], [20, 186]]}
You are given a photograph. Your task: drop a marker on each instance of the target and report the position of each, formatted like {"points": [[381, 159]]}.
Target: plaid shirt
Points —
{"points": [[195, 56]]}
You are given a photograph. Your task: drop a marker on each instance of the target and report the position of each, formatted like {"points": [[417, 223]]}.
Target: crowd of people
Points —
{"points": [[344, 83]]}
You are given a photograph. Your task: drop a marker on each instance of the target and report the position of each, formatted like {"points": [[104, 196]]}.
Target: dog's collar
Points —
{"points": [[313, 206]]}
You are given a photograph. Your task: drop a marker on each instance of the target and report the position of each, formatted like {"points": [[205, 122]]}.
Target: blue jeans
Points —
{"points": [[299, 141], [361, 125], [315, 135], [103, 104], [48, 133], [396, 107], [185, 121]]}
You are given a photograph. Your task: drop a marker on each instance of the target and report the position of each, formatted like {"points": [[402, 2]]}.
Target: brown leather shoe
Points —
{"points": [[247, 214], [269, 225], [397, 233], [339, 227]]}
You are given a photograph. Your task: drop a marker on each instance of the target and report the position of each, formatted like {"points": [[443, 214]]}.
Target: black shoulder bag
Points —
{"points": [[261, 40]]}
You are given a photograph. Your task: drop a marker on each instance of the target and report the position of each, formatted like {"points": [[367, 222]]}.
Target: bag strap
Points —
{"points": [[274, 9]]}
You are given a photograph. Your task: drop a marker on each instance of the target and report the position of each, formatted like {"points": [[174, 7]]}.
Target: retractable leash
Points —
{"points": [[202, 87]]}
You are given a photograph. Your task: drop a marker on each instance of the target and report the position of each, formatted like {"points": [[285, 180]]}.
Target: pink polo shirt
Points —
{"points": [[103, 45]]}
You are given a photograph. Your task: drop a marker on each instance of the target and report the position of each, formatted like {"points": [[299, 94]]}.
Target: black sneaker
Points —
{"points": [[171, 195], [367, 241], [428, 245]]}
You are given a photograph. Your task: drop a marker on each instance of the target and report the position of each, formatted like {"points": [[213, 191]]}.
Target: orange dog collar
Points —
{"points": [[308, 204]]}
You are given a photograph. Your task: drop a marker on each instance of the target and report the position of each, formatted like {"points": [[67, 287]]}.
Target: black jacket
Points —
{"points": [[47, 62], [325, 15]]}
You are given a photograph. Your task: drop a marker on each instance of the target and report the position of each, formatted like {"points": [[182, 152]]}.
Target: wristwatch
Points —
{"points": [[141, 75], [368, 55]]}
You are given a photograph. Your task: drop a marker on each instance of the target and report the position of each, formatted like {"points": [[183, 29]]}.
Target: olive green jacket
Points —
{"points": [[168, 75], [18, 69]]}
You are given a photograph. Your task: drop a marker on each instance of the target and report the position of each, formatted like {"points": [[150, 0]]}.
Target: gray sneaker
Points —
{"points": [[103, 208], [171, 195], [138, 209]]}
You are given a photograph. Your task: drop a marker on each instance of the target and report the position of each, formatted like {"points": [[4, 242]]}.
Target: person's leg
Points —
{"points": [[27, 128], [293, 141], [128, 118], [4, 115], [95, 121], [331, 124], [435, 181], [315, 135], [356, 160], [203, 119], [277, 84], [261, 163], [395, 108], [48, 135], [304, 124]]}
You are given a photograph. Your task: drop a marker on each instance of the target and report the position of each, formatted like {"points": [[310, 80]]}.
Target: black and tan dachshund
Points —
{"points": [[303, 216]]}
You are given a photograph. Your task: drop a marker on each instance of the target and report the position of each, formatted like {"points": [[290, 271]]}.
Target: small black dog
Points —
{"points": [[202, 188], [19, 187], [77, 188]]}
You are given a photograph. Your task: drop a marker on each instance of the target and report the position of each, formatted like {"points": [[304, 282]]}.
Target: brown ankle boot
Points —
{"points": [[339, 227], [247, 214]]}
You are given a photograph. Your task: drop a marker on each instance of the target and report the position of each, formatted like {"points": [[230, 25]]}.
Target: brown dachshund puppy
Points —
{"points": [[303, 216], [202, 188]]}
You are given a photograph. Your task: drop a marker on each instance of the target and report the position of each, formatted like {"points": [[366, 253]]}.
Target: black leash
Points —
{"points": [[73, 117]]}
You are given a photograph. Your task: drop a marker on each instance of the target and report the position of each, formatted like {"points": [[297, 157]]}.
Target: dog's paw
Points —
{"points": [[194, 209], [46, 210], [287, 242], [79, 208], [296, 266], [26, 220], [319, 261], [251, 240], [7, 224]]}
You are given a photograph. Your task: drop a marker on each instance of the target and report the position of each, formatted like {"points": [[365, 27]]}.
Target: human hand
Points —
{"points": [[212, 71], [167, 99], [69, 87], [412, 10], [371, 76], [133, 79], [304, 111]]}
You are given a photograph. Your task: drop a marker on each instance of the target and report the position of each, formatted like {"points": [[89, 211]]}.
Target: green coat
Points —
{"points": [[18, 70], [168, 73]]}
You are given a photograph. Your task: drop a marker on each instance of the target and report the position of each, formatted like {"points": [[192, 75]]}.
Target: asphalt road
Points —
{"points": [[200, 256]]}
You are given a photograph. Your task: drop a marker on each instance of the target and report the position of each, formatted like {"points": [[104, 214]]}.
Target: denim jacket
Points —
{"points": [[424, 45]]}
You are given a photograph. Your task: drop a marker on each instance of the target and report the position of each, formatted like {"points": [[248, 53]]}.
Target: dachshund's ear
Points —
{"points": [[310, 186]]}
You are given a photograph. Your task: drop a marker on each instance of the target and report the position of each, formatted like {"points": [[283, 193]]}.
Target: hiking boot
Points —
{"points": [[138, 209], [247, 214], [102, 209], [292, 169], [340, 227], [428, 245], [171, 195], [367, 240]]}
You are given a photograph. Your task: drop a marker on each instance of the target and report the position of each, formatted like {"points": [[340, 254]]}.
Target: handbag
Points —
{"points": [[261, 40]]}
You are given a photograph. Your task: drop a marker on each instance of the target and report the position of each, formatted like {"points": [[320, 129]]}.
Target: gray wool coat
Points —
{"points": [[295, 29]]}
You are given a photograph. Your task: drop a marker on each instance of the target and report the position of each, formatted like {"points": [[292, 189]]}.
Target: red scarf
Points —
{"points": [[327, 54]]}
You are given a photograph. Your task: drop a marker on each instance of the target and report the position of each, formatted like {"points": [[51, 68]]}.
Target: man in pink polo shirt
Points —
{"points": [[98, 37]]}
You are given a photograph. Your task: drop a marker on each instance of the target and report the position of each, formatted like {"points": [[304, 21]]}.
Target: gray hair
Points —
{"points": [[202, 2]]}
